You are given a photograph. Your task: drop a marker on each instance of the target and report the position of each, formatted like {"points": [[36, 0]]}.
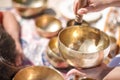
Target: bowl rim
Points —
{"points": [[18, 5], [33, 66], [49, 48]]}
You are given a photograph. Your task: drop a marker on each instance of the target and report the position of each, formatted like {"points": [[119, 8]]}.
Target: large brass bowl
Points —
{"points": [[48, 26], [28, 8], [38, 73], [83, 46], [53, 54]]}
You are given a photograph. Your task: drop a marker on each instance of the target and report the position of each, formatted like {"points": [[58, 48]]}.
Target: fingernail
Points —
{"points": [[80, 12]]}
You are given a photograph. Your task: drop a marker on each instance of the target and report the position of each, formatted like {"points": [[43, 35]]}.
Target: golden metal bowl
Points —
{"points": [[72, 21], [83, 46], [48, 26], [53, 54], [38, 73], [113, 47], [27, 8]]}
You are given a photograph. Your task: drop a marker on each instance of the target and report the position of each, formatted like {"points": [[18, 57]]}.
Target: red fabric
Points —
{"points": [[1, 17]]}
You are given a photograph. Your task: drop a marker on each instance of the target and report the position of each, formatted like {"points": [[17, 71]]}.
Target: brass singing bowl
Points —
{"points": [[28, 8], [82, 46], [113, 47], [38, 73], [53, 54], [48, 26], [72, 21]]}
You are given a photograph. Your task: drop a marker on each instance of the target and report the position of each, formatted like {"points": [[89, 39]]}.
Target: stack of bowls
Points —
{"points": [[53, 54]]}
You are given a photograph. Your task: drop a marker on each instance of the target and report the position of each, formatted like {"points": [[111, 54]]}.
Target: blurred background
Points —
{"points": [[35, 43], [41, 20]]}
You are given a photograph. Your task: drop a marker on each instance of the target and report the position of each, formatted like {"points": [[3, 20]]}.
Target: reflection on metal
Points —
{"points": [[27, 8], [77, 45], [38, 73], [48, 26], [53, 54]]}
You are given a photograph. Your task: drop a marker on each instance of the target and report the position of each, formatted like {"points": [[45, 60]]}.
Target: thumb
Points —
{"points": [[90, 8], [74, 72]]}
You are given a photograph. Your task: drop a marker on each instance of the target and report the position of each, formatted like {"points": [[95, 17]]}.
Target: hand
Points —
{"points": [[97, 72], [92, 6], [74, 72], [20, 55]]}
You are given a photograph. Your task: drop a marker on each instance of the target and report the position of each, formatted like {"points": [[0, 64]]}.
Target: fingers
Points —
{"points": [[74, 72], [79, 5], [19, 59], [90, 8], [76, 5], [82, 11], [20, 55]]}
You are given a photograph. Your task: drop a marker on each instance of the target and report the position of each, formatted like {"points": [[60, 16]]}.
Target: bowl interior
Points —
{"points": [[48, 23], [84, 39], [29, 8], [38, 73]]}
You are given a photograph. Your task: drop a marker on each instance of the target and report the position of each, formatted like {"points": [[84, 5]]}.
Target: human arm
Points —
{"points": [[113, 75], [11, 26], [94, 5]]}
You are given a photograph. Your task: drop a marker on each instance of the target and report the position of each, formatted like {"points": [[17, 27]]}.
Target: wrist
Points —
{"points": [[113, 3], [18, 46]]}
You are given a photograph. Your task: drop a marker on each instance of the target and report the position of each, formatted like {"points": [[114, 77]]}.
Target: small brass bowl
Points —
{"points": [[53, 54], [72, 21], [83, 46], [38, 73], [48, 26], [28, 8], [113, 47]]}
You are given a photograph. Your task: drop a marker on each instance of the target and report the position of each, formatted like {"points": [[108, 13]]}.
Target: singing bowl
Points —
{"points": [[72, 21], [28, 8], [38, 73], [53, 54], [48, 26], [82, 46], [113, 47]]}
